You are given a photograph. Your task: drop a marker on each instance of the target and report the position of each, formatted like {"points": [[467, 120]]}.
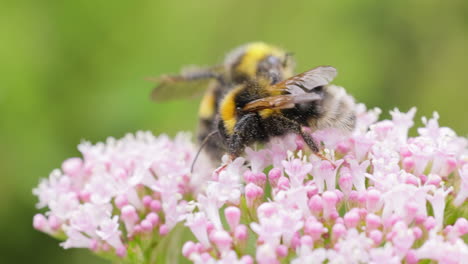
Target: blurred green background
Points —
{"points": [[73, 70]]}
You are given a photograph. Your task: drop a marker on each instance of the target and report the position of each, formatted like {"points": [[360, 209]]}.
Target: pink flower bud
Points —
{"points": [[188, 248], [283, 183], [461, 226], [260, 178], [233, 215], [346, 182], [153, 218], [362, 213], [282, 251], [221, 239], [391, 221], [266, 254], [423, 178], [249, 176], [307, 241], [405, 152], [252, 192], [54, 222], [266, 210], [121, 201], [206, 257], [417, 232], [361, 198], [430, 223], [343, 147], [315, 229], [411, 179], [372, 200], [351, 219], [299, 143], [311, 188], [316, 204], [209, 227], [411, 257], [338, 231], [84, 196], [241, 233], [373, 221], [121, 251], [411, 210], [94, 245], [247, 259], [339, 195], [273, 176], [147, 200], [40, 222], [155, 206], [72, 166], [129, 214], [419, 219], [330, 199], [163, 230], [353, 196], [199, 247], [137, 229], [434, 180], [376, 236], [408, 163], [105, 247], [146, 226]]}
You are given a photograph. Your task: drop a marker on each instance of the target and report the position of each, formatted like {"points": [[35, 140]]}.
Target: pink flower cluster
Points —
{"points": [[381, 197], [119, 193]]}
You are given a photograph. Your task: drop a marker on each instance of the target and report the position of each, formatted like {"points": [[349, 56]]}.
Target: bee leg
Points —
{"points": [[246, 131], [297, 128], [313, 146]]}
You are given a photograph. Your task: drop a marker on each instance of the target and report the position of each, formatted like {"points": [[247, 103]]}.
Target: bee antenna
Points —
{"points": [[286, 58], [201, 147]]}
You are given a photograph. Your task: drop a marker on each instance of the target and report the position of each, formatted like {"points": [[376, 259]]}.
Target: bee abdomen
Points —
{"points": [[337, 110]]}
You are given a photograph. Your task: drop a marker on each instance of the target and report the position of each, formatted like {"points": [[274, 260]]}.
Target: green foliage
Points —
{"points": [[76, 70]]}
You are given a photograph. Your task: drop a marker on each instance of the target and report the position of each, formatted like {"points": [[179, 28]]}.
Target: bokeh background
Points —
{"points": [[74, 70]]}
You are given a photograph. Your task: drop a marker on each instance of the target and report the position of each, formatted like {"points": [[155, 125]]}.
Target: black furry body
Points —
{"points": [[335, 109]]}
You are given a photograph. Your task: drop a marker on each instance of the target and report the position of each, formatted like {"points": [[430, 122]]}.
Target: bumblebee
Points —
{"points": [[245, 64], [254, 96], [257, 110]]}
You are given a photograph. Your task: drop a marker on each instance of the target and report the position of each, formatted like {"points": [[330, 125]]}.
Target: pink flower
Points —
{"points": [[463, 192], [126, 194], [297, 171], [198, 224]]}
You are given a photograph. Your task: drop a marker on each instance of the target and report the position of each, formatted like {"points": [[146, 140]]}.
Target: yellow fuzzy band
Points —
{"points": [[228, 110], [255, 52], [207, 105]]}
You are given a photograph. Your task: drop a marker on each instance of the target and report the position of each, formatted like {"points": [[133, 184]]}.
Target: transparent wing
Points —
{"points": [[191, 82], [306, 81]]}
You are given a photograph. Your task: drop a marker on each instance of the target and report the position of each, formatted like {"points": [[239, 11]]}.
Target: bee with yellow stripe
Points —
{"points": [[254, 96], [246, 63], [255, 111]]}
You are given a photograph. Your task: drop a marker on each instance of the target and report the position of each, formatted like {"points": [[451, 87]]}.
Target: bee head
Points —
{"points": [[259, 60]]}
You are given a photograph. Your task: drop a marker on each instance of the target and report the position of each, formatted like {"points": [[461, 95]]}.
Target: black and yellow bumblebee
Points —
{"points": [[254, 96]]}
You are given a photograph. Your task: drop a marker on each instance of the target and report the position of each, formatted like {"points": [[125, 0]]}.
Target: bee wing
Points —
{"points": [[280, 102], [191, 82], [306, 81]]}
